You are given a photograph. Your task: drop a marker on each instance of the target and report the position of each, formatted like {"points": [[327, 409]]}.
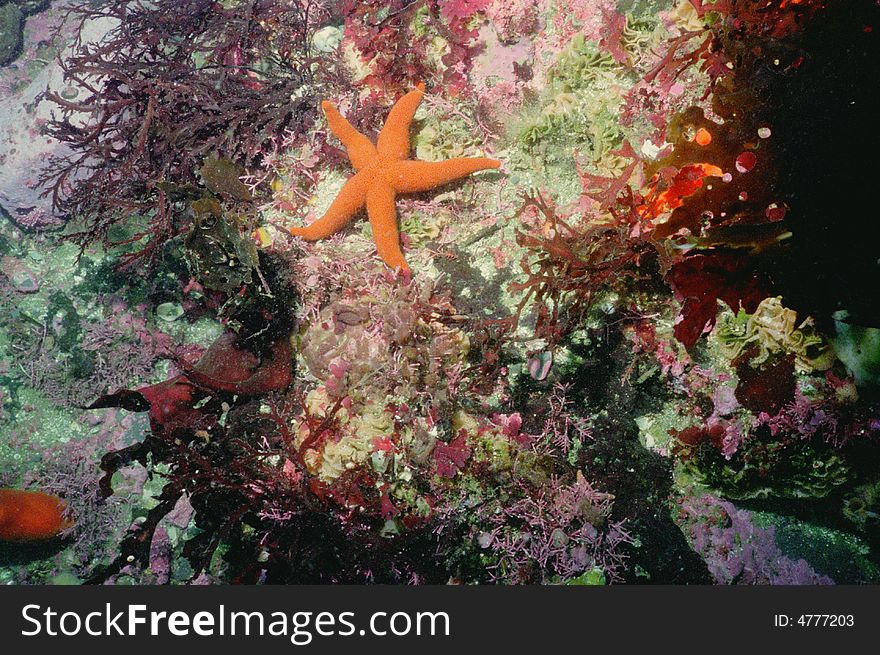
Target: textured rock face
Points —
{"points": [[23, 148], [11, 21]]}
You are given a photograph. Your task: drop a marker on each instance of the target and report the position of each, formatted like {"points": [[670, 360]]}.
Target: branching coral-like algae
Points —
{"points": [[167, 87]]}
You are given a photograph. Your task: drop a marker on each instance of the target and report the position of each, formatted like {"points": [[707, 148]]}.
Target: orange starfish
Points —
{"points": [[383, 171]]}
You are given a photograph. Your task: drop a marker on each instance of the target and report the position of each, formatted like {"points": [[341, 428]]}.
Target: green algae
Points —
{"points": [[575, 118], [859, 348], [862, 506], [592, 578], [840, 555], [773, 470], [11, 24]]}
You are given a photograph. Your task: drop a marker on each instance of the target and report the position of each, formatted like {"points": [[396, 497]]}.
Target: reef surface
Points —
{"points": [[646, 349]]}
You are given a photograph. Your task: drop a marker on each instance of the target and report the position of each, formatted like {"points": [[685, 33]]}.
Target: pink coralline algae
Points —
{"points": [[513, 18], [36, 219], [819, 418], [557, 534], [501, 75], [562, 426], [736, 550], [802, 417], [19, 274], [137, 346]]}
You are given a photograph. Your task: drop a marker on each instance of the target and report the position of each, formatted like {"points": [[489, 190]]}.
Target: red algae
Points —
{"points": [[31, 515]]}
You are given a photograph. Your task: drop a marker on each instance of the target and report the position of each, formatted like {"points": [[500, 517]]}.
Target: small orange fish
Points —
{"points": [[31, 515]]}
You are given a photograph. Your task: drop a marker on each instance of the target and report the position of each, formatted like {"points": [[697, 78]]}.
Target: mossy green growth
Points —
{"points": [[763, 469], [839, 555], [862, 506], [453, 136], [495, 450], [65, 579], [101, 277], [421, 18], [153, 487], [591, 578], [46, 425], [407, 496], [6, 245], [202, 332], [572, 355], [579, 104], [421, 228], [11, 22], [655, 430], [61, 306]]}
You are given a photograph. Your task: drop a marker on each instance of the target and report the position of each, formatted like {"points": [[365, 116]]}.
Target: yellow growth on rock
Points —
{"points": [[773, 328]]}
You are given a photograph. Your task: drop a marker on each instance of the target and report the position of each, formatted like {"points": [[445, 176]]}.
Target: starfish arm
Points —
{"points": [[412, 176], [383, 221], [393, 140], [360, 150], [351, 198]]}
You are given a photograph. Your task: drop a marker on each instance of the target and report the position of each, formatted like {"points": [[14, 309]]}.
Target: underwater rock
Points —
{"points": [[521, 410], [21, 277], [859, 348], [327, 39], [12, 20], [23, 149], [736, 549], [169, 311], [11, 26], [831, 552]]}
